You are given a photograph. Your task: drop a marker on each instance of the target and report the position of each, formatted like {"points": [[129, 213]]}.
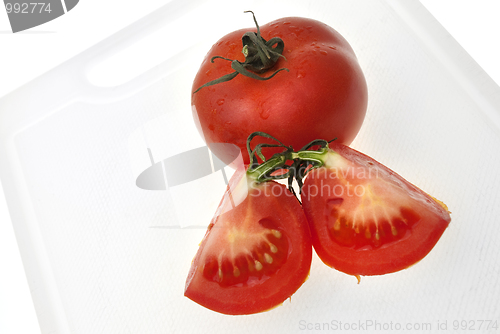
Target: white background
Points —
{"points": [[26, 55]]}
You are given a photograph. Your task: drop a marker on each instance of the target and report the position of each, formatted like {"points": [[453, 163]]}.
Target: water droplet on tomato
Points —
{"points": [[323, 52], [301, 74], [220, 102], [337, 201], [264, 114]]}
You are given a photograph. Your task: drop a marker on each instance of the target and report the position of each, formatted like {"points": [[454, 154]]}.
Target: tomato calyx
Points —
{"points": [[305, 160], [260, 56], [274, 168], [288, 164]]}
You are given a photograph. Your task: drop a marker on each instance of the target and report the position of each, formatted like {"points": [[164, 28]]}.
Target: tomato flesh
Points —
{"points": [[256, 253], [367, 220], [251, 254]]}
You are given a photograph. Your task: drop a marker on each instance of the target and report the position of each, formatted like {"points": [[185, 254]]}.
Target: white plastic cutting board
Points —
{"points": [[105, 256]]}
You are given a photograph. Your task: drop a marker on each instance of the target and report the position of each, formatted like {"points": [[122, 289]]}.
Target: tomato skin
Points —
{"points": [[324, 94], [272, 203], [430, 219]]}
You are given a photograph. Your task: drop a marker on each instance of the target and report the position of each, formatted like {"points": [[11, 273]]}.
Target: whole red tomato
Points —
{"points": [[322, 93]]}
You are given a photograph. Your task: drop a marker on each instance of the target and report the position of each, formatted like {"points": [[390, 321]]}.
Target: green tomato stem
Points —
{"points": [[260, 56], [277, 166]]}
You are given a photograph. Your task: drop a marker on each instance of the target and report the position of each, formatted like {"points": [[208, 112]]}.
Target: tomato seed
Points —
{"points": [[258, 265], [276, 233], [268, 258]]}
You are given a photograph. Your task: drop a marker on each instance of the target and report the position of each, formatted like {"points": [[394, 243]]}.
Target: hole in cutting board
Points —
{"points": [[164, 43], [131, 62]]}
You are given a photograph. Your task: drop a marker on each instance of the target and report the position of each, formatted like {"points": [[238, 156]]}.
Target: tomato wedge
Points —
{"points": [[257, 250], [365, 219]]}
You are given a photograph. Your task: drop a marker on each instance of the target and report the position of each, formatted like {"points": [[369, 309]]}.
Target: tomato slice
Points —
{"points": [[367, 220], [257, 250]]}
